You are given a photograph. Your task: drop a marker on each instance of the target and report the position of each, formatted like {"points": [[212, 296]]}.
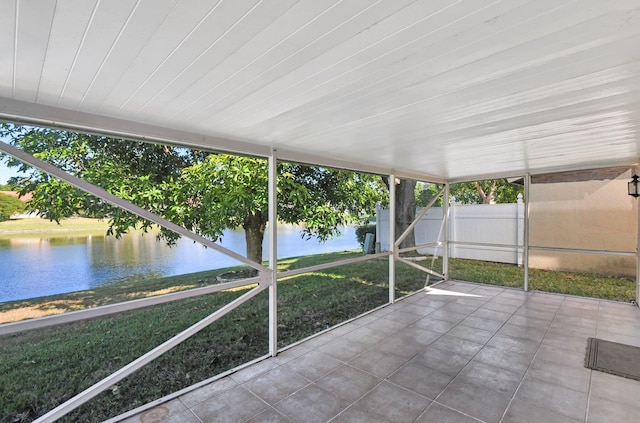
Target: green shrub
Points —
{"points": [[363, 230], [8, 206]]}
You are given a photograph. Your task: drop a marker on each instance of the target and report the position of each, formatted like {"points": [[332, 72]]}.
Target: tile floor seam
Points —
{"points": [[559, 310], [471, 359], [358, 399], [586, 414], [531, 362], [386, 379], [195, 415], [189, 409], [450, 408]]}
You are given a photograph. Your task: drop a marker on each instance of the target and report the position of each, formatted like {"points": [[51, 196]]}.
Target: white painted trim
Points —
{"points": [[24, 113], [527, 209], [392, 237], [273, 253], [337, 263], [55, 117], [417, 266], [135, 365], [74, 316]]}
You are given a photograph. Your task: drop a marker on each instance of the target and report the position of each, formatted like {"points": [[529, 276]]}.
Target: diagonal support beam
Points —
{"points": [[417, 219], [130, 368], [119, 202], [417, 266]]}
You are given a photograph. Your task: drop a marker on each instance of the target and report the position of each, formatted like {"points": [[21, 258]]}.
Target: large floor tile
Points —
{"points": [[524, 412], [393, 403], [475, 400], [421, 380], [276, 384], [313, 364], [377, 363], [311, 404], [348, 382], [552, 397], [496, 379], [234, 405], [441, 414], [447, 362]]}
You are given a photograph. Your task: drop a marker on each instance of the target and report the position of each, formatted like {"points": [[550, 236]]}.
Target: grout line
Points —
{"points": [[586, 412], [531, 362]]}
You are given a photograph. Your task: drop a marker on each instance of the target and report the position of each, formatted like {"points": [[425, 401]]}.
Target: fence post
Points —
{"points": [[392, 238], [447, 222], [452, 227], [519, 229], [527, 204]]}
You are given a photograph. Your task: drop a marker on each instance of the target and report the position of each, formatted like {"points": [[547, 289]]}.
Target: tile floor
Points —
{"points": [[459, 353]]}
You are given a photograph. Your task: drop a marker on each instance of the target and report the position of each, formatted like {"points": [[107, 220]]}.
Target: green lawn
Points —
{"points": [[41, 369], [43, 227]]}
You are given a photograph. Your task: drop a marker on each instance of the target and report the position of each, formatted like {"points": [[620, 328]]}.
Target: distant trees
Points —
{"points": [[480, 192], [204, 192], [9, 205]]}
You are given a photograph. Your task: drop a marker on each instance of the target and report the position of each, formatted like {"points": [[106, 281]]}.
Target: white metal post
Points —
{"points": [[273, 254], [527, 202], [447, 223], [392, 237], [635, 170]]}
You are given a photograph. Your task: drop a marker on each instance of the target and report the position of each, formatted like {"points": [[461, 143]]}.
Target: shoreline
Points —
{"points": [[44, 227]]}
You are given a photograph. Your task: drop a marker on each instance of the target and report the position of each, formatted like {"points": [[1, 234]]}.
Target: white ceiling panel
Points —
{"points": [[442, 89]]}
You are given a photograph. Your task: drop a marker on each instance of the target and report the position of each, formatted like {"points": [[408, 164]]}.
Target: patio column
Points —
{"points": [[447, 231], [527, 193], [273, 254], [392, 237], [635, 170]]}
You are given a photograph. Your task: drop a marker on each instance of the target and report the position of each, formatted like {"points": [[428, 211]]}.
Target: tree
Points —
{"points": [[482, 192], [8, 206], [490, 191], [405, 210], [204, 192]]}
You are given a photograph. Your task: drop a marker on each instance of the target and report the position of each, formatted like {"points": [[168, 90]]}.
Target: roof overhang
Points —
{"points": [[435, 90]]}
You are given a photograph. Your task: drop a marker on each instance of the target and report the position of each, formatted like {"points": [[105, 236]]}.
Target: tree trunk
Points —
{"points": [[254, 227], [406, 212], [487, 198]]}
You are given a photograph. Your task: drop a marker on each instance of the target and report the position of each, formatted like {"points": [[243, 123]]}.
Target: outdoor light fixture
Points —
{"points": [[633, 186]]}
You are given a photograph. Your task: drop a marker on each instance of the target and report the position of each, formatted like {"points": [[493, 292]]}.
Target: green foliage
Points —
{"points": [[425, 192], [204, 192], [494, 190], [363, 230], [484, 192], [9, 205]]}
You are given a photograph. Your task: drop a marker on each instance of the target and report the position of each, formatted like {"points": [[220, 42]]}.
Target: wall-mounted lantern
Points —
{"points": [[633, 186]]}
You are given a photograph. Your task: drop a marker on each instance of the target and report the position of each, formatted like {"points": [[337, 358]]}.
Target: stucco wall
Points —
{"points": [[596, 215]]}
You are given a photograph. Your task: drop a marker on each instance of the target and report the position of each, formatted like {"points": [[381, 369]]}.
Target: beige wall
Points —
{"points": [[595, 215]]}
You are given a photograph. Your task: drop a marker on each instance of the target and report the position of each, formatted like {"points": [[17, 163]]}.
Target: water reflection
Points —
{"points": [[33, 267]]}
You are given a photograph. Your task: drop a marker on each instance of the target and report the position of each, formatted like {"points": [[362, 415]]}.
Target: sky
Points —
{"points": [[5, 173]]}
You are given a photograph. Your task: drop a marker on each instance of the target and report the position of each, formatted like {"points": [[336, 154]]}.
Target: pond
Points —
{"points": [[34, 267]]}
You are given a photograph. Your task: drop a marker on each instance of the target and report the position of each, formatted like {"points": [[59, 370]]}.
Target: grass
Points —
{"points": [[571, 283], [40, 227], [42, 368]]}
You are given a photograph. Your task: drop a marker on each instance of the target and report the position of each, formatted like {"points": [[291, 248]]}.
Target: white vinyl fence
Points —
{"points": [[489, 232]]}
